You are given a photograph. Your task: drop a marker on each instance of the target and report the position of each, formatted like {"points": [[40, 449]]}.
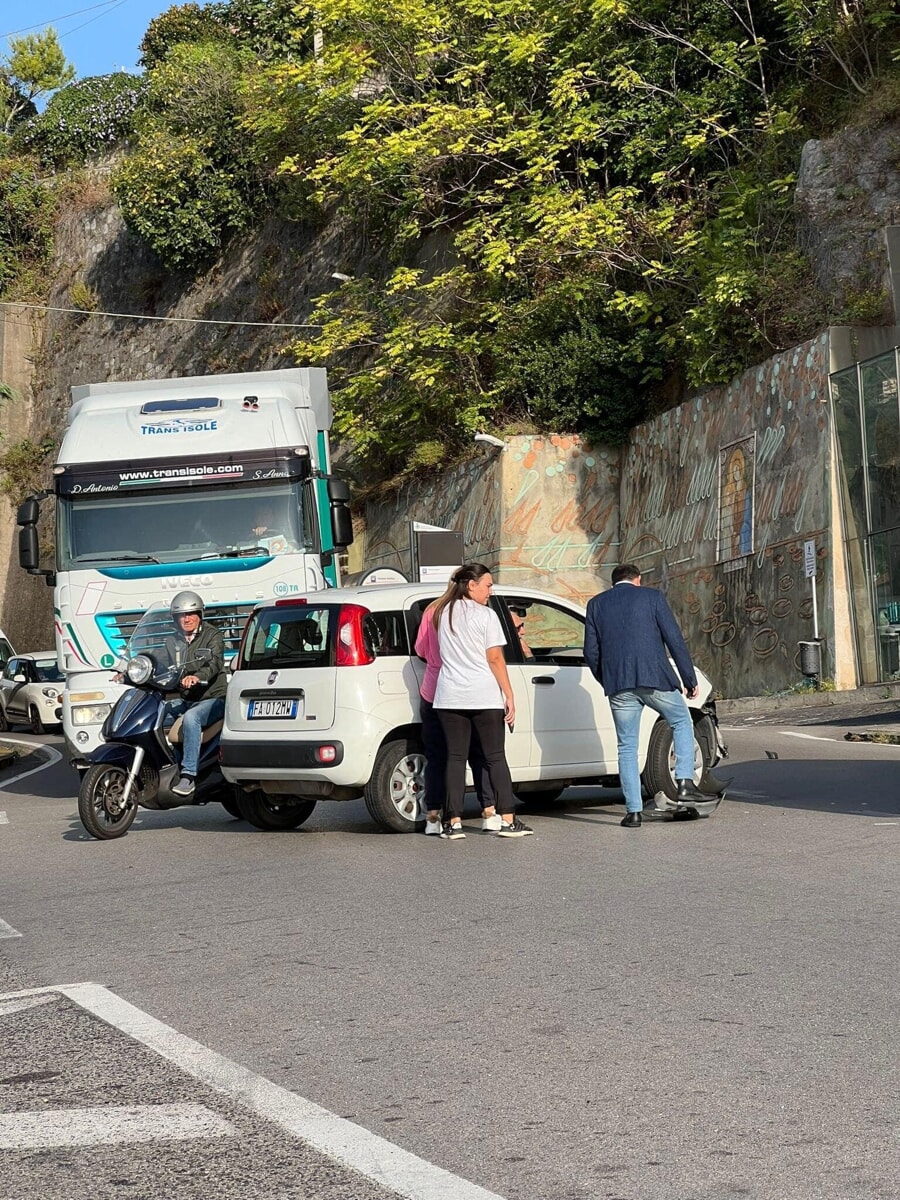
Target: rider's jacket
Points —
{"points": [[204, 657]]}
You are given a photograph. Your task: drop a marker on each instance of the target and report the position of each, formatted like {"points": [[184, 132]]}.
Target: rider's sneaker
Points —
{"points": [[184, 786]]}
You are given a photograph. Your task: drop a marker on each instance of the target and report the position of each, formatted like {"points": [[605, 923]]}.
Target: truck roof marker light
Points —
{"points": [[352, 650]]}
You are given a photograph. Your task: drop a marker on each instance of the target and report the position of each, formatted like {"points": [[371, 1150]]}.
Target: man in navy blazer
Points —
{"points": [[629, 631]]}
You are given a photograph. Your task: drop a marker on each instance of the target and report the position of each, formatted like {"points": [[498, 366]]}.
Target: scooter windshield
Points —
{"points": [[151, 637]]}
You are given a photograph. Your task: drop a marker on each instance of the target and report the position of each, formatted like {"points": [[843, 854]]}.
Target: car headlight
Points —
{"points": [[90, 714], [139, 669], [51, 692]]}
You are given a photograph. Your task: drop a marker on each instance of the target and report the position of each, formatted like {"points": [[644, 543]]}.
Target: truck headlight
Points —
{"points": [[90, 714]]}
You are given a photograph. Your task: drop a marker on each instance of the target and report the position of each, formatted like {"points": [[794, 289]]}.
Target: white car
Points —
{"points": [[31, 688], [323, 703]]}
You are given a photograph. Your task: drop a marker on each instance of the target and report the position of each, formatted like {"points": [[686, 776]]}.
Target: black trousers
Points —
{"points": [[436, 761], [459, 725]]}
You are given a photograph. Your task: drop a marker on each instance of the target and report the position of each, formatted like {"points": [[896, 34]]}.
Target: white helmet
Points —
{"points": [[184, 603]]}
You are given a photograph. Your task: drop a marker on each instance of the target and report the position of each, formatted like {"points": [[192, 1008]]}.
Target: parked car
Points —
{"points": [[6, 650], [31, 691], [323, 703]]}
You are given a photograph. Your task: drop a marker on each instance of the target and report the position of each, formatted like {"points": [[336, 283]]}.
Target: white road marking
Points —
{"points": [[809, 737], [7, 931], [8, 1007], [886, 822], [4, 819], [110, 1124], [344, 1141], [54, 756]]}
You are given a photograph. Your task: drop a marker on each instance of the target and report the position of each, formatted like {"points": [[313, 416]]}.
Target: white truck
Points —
{"points": [[219, 483]]}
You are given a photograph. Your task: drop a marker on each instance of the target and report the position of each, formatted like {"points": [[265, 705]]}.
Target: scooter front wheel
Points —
{"points": [[103, 812]]}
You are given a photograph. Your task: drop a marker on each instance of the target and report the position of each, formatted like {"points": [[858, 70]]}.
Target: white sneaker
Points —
{"points": [[491, 824], [434, 827]]}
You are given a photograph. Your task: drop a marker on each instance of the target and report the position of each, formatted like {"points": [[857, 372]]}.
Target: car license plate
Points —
{"points": [[272, 708]]}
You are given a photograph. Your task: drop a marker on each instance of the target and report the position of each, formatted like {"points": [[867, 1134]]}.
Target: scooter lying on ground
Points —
{"points": [[138, 764]]}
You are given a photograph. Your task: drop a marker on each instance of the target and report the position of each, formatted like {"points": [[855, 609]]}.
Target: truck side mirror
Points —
{"points": [[28, 512], [29, 555], [341, 517]]}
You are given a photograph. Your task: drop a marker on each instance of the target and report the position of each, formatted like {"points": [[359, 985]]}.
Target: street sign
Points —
{"points": [[809, 559]]}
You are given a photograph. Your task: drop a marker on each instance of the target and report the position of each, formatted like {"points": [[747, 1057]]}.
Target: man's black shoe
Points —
{"points": [[632, 820], [688, 791]]}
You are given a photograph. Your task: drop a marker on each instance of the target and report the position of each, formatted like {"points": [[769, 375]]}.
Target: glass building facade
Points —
{"points": [[866, 406]]}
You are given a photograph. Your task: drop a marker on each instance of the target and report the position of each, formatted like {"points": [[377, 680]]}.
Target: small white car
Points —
{"points": [[323, 703], [31, 687]]}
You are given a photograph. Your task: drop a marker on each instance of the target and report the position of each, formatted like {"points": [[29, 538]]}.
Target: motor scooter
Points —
{"points": [[138, 763]]}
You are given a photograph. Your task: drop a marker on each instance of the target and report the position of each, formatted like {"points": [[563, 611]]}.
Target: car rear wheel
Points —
{"points": [[659, 772], [272, 813], [395, 793], [37, 725]]}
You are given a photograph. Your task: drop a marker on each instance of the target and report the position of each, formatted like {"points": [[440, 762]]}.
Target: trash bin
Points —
{"points": [[811, 658]]}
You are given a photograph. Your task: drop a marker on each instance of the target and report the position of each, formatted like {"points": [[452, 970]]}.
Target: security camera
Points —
{"points": [[490, 440]]}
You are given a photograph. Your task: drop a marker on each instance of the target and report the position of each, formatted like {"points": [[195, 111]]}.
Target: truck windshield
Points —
{"points": [[184, 526]]}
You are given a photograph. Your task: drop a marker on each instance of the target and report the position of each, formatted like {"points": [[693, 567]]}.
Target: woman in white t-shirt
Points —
{"points": [[473, 692]]}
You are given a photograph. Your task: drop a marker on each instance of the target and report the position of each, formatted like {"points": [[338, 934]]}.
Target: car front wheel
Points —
{"points": [[396, 792], [659, 772]]}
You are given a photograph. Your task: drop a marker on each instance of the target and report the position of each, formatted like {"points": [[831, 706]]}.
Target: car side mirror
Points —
{"points": [[20, 678]]}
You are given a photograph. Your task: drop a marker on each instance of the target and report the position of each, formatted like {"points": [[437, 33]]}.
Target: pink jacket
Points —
{"points": [[427, 647]]}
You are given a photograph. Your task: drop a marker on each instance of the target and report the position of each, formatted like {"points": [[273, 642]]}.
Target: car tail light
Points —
{"points": [[352, 650], [326, 754]]}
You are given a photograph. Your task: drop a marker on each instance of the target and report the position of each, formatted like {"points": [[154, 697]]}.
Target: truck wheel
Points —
{"points": [[396, 792], [37, 725], [272, 813], [100, 805], [659, 772]]}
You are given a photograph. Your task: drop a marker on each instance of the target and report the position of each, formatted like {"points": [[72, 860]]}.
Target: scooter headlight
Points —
{"points": [[139, 669]]}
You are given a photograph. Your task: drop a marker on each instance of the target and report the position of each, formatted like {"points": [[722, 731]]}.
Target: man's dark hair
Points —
{"points": [[625, 571]]}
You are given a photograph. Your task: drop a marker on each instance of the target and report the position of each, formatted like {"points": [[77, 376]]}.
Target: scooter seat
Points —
{"points": [[174, 734]]}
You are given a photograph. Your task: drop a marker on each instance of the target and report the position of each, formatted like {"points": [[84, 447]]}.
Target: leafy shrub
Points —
{"points": [[28, 204], [177, 198], [84, 118], [181, 24]]}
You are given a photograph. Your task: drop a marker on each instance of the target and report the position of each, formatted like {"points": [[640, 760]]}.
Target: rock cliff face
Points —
{"points": [[848, 194]]}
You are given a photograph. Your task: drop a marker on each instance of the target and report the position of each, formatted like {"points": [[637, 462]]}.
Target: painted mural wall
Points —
{"points": [[718, 498], [713, 500]]}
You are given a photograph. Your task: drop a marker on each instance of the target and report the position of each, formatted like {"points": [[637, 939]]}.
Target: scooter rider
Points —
{"points": [[199, 649]]}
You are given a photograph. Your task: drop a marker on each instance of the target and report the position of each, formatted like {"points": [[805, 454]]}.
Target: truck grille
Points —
{"points": [[230, 619]]}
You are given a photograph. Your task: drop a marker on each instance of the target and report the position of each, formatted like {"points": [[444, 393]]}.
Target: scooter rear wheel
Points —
{"points": [[100, 805]]}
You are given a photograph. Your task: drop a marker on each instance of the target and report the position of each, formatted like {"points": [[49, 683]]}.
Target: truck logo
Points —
{"points": [[177, 582], [181, 425], [282, 588]]}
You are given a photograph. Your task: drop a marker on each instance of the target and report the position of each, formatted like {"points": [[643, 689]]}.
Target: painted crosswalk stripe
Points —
{"points": [[7, 931], [109, 1125], [347, 1143]]}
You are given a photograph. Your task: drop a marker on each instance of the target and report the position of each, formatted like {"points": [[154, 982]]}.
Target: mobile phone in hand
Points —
{"points": [[511, 727]]}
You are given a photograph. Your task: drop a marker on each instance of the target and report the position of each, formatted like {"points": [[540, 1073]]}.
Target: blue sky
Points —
{"points": [[98, 36]]}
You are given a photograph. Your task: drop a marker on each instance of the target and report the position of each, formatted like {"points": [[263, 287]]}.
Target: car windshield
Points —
{"points": [[48, 671]]}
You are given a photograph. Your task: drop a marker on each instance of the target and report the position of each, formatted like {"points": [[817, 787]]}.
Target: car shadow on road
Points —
{"points": [[854, 788]]}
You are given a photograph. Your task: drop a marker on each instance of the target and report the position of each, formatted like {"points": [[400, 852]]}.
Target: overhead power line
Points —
{"points": [[52, 21], [93, 312]]}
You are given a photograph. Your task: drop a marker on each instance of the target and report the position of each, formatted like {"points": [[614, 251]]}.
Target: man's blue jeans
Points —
{"points": [[626, 713], [196, 718]]}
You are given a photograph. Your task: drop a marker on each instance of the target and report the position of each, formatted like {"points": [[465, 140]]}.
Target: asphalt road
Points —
{"points": [[682, 1012]]}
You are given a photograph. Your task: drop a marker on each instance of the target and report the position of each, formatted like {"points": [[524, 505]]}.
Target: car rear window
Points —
{"points": [[292, 636]]}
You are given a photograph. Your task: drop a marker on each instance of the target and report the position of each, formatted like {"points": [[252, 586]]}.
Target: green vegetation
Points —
{"points": [[576, 207], [28, 202], [85, 119], [34, 66]]}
